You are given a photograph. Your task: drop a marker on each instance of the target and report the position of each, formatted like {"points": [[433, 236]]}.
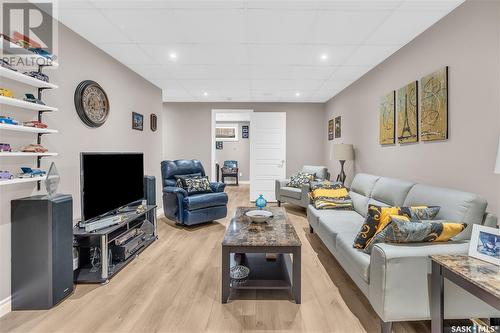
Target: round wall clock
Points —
{"points": [[91, 103]]}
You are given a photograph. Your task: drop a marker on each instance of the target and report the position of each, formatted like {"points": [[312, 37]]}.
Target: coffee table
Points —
{"points": [[253, 241]]}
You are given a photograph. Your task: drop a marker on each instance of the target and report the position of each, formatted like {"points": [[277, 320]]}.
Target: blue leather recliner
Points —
{"points": [[195, 208]]}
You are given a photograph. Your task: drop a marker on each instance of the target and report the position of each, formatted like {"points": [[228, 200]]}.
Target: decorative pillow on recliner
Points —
{"points": [[197, 185], [180, 179], [401, 230], [378, 217], [328, 195], [300, 179]]}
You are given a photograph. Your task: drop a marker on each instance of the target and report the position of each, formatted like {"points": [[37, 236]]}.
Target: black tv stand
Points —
{"points": [[102, 239]]}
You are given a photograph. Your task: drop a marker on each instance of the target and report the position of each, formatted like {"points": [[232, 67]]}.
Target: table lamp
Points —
{"points": [[497, 165], [342, 152]]}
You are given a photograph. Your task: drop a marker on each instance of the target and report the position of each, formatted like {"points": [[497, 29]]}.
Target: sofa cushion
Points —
{"points": [[339, 221], [359, 202], [358, 261], [391, 191], [455, 205], [291, 192], [204, 200], [319, 172], [300, 179], [363, 184]]}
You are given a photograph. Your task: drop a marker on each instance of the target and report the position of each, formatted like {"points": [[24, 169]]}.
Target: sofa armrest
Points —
{"points": [[217, 186], [305, 188], [175, 190], [279, 183], [399, 277]]}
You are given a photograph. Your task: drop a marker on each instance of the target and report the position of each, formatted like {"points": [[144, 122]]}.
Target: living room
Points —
{"points": [[349, 113]]}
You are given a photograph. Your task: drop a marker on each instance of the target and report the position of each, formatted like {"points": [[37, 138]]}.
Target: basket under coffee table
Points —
{"points": [[253, 241]]}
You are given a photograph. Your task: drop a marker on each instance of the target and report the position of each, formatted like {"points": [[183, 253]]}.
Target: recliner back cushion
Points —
{"points": [[456, 206], [179, 167], [391, 191], [359, 202], [318, 171]]}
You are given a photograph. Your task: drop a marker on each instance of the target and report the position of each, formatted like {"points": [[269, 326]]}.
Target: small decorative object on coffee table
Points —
{"points": [[260, 202], [478, 277], [250, 242], [485, 244], [259, 216]]}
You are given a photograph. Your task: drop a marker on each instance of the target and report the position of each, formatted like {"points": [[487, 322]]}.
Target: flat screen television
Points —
{"points": [[110, 181]]}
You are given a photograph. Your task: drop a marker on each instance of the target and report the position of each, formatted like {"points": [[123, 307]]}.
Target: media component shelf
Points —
{"points": [[103, 239]]}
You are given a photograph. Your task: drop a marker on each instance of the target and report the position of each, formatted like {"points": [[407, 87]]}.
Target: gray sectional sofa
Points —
{"points": [[395, 277]]}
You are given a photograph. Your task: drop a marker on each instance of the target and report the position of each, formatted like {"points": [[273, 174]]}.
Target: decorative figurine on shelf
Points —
{"points": [[261, 203], [52, 181]]}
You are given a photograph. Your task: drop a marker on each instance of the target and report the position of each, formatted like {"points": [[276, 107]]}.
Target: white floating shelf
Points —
{"points": [[25, 79], [25, 105], [21, 154], [21, 180], [28, 129], [25, 54]]}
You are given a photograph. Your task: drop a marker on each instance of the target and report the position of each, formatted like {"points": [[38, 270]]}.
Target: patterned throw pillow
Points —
{"points": [[180, 179], [300, 179], [402, 230], [328, 195], [378, 217], [197, 185]]}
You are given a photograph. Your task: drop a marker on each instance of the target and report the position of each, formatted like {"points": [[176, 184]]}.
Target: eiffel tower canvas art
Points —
{"points": [[407, 113]]}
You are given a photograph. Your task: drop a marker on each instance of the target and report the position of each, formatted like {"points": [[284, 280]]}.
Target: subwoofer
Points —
{"points": [[42, 251]]}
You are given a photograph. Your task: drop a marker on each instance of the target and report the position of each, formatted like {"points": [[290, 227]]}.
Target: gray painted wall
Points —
{"points": [[187, 131], [236, 150], [468, 41], [80, 60]]}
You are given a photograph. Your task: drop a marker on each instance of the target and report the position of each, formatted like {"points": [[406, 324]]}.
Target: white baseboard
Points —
{"points": [[244, 182], [5, 306]]}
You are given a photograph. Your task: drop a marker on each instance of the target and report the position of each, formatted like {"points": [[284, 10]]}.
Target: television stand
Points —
{"points": [[102, 239]]}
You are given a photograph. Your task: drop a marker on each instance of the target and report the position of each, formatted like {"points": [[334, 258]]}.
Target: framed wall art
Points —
{"points": [[330, 129], [226, 133], [407, 113], [245, 133], [485, 244], [137, 121], [338, 125], [219, 145], [434, 106], [387, 119], [153, 122]]}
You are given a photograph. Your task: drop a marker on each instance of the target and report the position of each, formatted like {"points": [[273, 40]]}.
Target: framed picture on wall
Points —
{"points": [[330, 129], [137, 121], [338, 125], [219, 145], [226, 133], [245, 132], [153, 121]]}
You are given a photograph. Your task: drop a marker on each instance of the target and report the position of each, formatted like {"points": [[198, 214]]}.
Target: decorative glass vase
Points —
{"points": [[261, 202]]}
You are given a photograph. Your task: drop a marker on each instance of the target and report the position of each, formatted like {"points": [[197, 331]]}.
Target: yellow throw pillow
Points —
{"points": [[330, 196]]}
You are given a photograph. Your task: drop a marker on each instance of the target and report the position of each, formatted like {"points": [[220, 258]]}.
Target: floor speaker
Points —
{"points": [[42, 251], [150, 193]]}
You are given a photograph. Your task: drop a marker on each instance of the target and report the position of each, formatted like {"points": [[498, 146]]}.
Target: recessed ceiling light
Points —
{"points": [[205, 94], [173, 56], [297, 94], [324, 56]]}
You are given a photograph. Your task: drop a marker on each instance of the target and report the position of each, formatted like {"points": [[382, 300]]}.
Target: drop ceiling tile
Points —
{"points": [[346, 27], [100, 31], [426, 5], [217, 85], [349, 73], [401, 27], [370, 55], [295, 85], [128, 54], [360, 5], [197, 54]]}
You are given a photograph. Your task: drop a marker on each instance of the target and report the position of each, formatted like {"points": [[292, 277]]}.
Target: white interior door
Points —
{"points": [[267, 153]]}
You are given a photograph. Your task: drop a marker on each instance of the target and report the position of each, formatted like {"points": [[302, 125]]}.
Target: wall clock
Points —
{"points": [[91, 103]]}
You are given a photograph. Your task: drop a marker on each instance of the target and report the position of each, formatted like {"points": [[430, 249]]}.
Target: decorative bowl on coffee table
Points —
{"points": [[259, 215]]}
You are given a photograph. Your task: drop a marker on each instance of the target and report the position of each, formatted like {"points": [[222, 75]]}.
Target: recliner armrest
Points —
{"points": [[175, 190], [217, 186]]}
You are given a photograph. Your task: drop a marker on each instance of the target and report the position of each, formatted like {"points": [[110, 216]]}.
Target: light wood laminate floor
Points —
{"points": [[175, 286]]}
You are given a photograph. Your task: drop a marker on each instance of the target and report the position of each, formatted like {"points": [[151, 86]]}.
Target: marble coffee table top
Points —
{"points": [[277, 231], [481, 273]]}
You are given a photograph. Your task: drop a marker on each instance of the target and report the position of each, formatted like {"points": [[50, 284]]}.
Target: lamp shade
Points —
{"points": [[343, 152], [497, 165]]}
